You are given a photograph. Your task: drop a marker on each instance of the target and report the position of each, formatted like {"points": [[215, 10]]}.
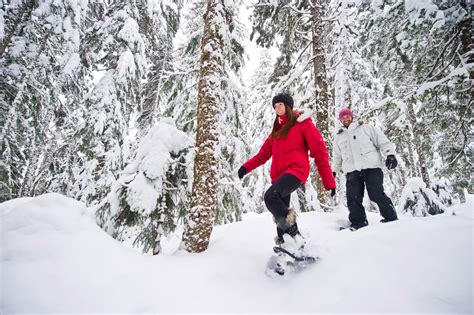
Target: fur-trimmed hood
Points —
{"points": [[304, 113]]}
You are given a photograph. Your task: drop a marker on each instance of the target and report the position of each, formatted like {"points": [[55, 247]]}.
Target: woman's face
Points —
{"points": [[280, 108]]}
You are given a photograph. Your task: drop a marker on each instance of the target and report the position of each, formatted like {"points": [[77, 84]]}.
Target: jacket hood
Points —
{"points": [[355, 121], [304, 113]]}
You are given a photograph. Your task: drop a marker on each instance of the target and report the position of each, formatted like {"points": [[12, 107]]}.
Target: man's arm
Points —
{"points": [[336, 157], [384, 145]]}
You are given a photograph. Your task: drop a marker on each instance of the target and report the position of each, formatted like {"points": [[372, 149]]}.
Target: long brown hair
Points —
{"points": [[290, 122]]}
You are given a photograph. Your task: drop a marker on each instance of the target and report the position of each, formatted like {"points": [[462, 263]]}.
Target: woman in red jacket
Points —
{"points": [[293, 135]]}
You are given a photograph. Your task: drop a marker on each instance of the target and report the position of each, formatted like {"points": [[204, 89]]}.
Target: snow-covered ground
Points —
{"points": [[54, 259]]}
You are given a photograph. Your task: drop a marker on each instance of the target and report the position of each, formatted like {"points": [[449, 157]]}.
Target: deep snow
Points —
{"points": [[54, 259]]}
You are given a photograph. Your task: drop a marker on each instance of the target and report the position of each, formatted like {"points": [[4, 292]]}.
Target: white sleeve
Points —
{"points": [[381, 142], [336, 158]]}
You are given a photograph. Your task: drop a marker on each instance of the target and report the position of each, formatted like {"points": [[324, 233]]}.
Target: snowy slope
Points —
{"points": [[55, 259]]}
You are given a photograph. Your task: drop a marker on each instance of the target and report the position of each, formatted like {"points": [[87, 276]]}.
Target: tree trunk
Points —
{"points": [[29, 177], [417, 143], [161, 49], [204, 193], [411, 156], [467, 48], [321, 83], [466, 35]]}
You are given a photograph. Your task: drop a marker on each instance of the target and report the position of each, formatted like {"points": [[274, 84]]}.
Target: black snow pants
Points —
{"points": [[372, 178], [277, 197]]}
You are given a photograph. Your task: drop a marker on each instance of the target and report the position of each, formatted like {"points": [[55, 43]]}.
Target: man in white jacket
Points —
{"points": [[358, 151]]}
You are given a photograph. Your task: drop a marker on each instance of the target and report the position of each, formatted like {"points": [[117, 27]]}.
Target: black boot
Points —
{"points": [[279, 238], [358, 225], [286, 225], [386, 220]]}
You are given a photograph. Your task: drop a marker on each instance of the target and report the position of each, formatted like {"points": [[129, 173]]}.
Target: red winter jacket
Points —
{"points": [[290, 155]]}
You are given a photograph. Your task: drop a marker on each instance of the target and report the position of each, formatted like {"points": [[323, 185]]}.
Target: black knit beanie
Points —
{"points": [[283, 98]]}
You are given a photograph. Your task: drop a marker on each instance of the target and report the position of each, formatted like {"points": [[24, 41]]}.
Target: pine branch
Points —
{"points": [[24, 16], [440, 56]]}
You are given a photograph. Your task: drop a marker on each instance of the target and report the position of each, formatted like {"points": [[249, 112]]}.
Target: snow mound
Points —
{"points": [[54, 259]]}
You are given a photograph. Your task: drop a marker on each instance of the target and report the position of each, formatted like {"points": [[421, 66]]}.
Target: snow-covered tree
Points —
{"points": [[40, 83], [416, 49], [230, 118], [419, 200], [150, 197], [117, 59], [127, 44], [300, 29], [217, 122], [158, 22], [256, 128], [181, 93], [179, 90]]}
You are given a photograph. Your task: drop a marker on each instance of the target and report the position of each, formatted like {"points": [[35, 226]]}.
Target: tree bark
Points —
{"points": [[321, 83], [417, 143], [204, 192]]}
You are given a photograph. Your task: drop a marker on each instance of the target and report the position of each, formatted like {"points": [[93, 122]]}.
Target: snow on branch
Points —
{"points": [[419, 200]]}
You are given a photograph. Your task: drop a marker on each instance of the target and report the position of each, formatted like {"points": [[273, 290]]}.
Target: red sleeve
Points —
{"points": [[319, 152], [260, 158]]}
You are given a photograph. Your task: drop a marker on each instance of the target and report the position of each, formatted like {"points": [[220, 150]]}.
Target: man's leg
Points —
{"points": [[355, 195], [374, 181]]}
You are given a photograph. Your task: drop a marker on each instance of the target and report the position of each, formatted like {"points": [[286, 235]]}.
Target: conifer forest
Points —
{"points": [[144, 110]]}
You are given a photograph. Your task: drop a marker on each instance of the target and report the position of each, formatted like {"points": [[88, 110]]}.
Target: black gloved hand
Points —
{"points": [[242, 171], [334, 175], [391, 162], [333, 192]]}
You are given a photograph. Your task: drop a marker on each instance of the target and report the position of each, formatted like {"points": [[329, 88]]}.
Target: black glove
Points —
{"points": [[334, 175], [333, 192], [391, 162], [242, 171]]}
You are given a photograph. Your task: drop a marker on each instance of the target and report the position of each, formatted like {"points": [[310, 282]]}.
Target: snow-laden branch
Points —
{"points": [[296, 10], [441, 54]]}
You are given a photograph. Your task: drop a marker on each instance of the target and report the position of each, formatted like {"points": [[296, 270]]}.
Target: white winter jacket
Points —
{"points": [[360, 146]]}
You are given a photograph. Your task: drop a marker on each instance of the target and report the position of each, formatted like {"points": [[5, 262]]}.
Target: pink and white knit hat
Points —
{"points": [[345, 111]]}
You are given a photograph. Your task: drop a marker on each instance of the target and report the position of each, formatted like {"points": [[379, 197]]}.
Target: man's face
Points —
{"points": [[279, 108], [346, 120]]}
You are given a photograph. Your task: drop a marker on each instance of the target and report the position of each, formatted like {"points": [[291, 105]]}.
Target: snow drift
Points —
{"points": [[54, 258]]}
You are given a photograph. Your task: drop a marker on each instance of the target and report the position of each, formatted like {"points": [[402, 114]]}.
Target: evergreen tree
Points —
{"points": [[148, 199], [231, 116], [416, 49], [158, 24], [40, 67], [116, 56], [256, 127], [204, 193], [180, 85], [303, 63], [181, 94]]}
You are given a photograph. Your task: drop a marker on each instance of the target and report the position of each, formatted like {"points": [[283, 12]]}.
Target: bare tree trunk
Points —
{"points": [[321, 82], [411, 156], [467, 48], [29, 177], [161, 51], [204, 193], [467, 33], [418, 146]]}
